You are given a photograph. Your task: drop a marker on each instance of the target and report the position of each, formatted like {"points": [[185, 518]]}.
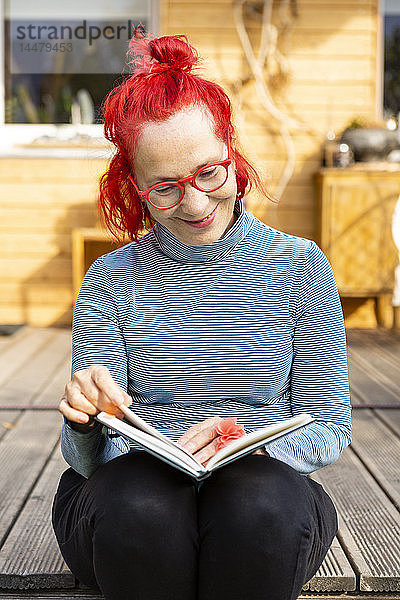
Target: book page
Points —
{"points": [[141, 424], [162, 446], [258, 438]]}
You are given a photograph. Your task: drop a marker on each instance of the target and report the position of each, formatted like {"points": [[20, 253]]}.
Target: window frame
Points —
{"points": [[25, 133], [380, 59], [380, 84]]}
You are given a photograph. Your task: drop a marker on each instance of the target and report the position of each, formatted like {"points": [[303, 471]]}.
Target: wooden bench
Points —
{"points": [[364, 560], [88, 243]]}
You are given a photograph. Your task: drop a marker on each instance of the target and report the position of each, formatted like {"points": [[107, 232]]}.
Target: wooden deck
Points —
{"points": [[364, 560]]}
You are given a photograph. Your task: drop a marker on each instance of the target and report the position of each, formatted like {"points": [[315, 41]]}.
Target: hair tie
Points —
{"points": [[156, 68]]}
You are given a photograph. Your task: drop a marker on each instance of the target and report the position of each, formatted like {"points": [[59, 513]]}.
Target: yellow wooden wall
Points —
{"points": [[334, 57], [332, 53], [41, 201]]}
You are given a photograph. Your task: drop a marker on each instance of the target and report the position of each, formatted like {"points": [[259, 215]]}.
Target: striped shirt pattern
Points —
{"points": [[249, 326]]}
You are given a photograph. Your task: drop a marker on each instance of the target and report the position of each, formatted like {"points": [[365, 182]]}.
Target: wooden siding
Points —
{"points": [[332, 56], [41, 202]]}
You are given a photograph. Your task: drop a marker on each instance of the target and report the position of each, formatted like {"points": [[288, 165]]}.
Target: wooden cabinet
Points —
{"points": [[355, 208]]}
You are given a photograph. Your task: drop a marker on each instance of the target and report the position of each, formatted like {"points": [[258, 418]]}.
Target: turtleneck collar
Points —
{"points": [[218, 250]]}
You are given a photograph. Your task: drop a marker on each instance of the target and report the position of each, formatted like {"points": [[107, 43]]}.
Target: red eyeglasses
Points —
{"points": [[168, 194]]}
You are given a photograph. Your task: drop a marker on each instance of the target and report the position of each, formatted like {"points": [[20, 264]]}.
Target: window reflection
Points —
{"points": [[392, 58], [61, 61]]}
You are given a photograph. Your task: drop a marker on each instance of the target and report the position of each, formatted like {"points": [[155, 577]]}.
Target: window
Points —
{"points": [[391, 84], [61, 58]]}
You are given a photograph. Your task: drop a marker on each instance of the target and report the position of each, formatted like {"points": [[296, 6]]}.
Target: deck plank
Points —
{"points": [[379, 450], [8, 420], [8, 340], [377, 367], [52, 391], [369, 389], [81, 595], [391, 417], [372, 356], [14, 333], [20, 351], [30, 558], [365, 491], [385, 339], [37, 371], [374, 367], [24, 451], [369, 523], [335, 574]]}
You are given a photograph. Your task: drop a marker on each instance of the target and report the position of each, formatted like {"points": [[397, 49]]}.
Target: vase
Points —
{"points": [[370, 143]]}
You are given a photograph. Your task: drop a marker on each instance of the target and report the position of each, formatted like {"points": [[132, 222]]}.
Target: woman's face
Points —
{"points": [[172, 149]]}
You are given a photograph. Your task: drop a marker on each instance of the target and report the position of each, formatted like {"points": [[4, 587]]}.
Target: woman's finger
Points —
{"points": [[199, 435], [96, 384], [72, 414], [80, 401], [90, 383], [82, 383], [187, 439], [81, 414], [91, 402], [104, 382], [207, 452]]}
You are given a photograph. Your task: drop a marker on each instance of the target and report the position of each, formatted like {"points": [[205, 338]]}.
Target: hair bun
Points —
{"points": [[174, 51], [167, 53]]}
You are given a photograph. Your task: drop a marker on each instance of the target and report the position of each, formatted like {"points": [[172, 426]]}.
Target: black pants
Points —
{"points": [[138, 529]]}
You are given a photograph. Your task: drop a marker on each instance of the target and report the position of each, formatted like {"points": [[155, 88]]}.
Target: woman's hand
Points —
{"points": [[201, 439], [91, 391]]}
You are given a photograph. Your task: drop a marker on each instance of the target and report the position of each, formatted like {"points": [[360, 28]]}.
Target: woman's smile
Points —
{"points": [[202, 222]]}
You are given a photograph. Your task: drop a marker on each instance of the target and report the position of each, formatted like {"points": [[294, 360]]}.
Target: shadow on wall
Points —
{"points": [[317, 72]]}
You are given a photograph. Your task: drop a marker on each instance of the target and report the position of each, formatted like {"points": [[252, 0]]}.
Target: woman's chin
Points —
{"points": [[200, 236]]}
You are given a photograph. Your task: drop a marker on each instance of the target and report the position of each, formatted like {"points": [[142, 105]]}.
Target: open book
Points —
{"points": [[134, 428]]}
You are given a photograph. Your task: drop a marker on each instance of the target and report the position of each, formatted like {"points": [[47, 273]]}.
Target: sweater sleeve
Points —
{"points": [[96, 339], [319, 377]]}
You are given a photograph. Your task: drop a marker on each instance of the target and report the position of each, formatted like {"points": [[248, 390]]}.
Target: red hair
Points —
{"points": [[162, 83]]}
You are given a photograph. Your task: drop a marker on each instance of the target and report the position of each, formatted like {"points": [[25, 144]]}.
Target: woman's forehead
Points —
{"points": [[182, 127], [178, 145]]}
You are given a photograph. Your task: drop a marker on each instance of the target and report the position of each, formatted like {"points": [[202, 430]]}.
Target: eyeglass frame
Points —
{"points": [[178, 182]]}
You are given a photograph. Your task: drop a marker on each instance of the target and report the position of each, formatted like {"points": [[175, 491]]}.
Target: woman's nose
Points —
{"points": [[194, 202]]}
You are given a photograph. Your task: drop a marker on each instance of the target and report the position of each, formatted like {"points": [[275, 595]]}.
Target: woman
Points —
{"points": [[211, 314]]}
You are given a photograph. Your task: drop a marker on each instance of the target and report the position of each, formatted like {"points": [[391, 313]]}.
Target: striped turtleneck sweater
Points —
{"points": [[249, 326]]}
